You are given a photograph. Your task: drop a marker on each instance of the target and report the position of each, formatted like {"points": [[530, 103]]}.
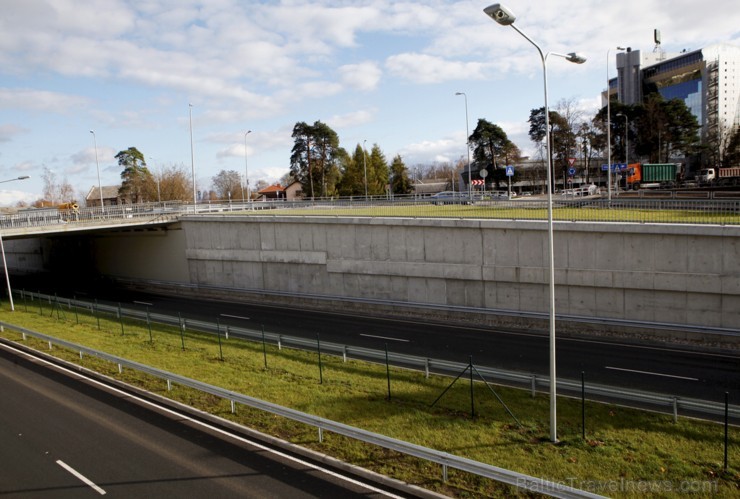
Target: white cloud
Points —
{"points": [[351, 119], [364, 76], [87, 156], [422, 68], [7, 132], [40, 100]]}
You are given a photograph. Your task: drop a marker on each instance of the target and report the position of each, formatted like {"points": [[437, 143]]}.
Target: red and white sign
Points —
{"points": [[477, 182], [571, 161]]}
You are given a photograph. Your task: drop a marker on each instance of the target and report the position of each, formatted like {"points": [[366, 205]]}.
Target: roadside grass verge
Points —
{"points": [[626, 452], [517, 210]]}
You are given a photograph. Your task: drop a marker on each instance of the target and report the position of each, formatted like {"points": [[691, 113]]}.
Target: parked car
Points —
{"points": [[450, 197]]}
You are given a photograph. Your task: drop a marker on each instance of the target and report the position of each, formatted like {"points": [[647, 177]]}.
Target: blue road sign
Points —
{"points": [[616, 167], [571, 171], [509, 171]]}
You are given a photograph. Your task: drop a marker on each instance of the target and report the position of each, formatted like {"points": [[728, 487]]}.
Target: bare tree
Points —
{"points": [[54, 191]]}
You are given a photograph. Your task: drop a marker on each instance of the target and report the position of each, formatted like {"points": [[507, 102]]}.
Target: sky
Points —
{"points": [[151, 73]]}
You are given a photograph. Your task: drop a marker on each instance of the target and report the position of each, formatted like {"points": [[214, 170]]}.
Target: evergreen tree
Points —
{"points": [[400, 183], [138, 184]]}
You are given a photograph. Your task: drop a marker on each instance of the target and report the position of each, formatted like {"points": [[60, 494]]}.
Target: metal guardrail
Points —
{"points": [[665, 403], [445, 459]]}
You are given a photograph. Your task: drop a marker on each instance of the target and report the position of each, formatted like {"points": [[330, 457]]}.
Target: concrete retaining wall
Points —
{"points": [[664, 273]]}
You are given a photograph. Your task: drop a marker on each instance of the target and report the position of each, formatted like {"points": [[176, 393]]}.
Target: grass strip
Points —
{"points": [[510, 211]]}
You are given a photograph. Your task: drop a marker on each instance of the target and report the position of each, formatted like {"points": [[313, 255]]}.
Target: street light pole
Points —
{"points": [[97, 165], [246, 167], [159, 179], [609, 130], [192, 156], [505, 17], [2, 250], [467, 141], [364, 164], [626, 137]]}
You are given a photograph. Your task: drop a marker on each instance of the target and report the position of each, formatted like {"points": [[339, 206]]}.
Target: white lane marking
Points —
{"points": [[650, 373], [236, 317], [184, 416], [81, 477], [385, 338]]}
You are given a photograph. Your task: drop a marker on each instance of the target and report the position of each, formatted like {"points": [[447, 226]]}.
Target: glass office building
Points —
{"points": [[707, 80]]}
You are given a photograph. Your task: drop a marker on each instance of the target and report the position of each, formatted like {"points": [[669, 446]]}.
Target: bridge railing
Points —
{"points": [[670, 208]]}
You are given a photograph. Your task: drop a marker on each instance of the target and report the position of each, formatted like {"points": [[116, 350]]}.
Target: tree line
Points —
{"points": [[656, 131]]}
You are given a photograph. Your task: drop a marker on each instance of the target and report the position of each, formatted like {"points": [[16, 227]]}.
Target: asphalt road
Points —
{"points": [[64, 437], [671, 369]]}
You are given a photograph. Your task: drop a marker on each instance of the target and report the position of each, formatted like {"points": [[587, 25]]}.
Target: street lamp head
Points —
{"points": [[500, 14], [459, 93], [576, 58], [24, 177], [92, 132]]}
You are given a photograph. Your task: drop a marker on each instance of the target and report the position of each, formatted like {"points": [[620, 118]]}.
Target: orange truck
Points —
{"points": [[653, 175]]}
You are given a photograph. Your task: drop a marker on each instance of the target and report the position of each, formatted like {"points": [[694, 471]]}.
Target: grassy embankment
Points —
{"points": [[520, 210], [626, 452]]}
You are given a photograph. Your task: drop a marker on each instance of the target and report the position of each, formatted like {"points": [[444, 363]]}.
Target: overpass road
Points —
{"points": [[671, 369], [64, 436]]}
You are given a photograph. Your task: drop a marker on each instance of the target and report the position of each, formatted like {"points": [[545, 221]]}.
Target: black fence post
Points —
{"points": [[472, 400], [583, 405], [321, 369], [264, 347], [388, 371], [727, 414], [120, 318]]}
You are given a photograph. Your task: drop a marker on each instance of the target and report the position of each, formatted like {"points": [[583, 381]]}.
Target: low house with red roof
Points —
{"points": [[277, 191]]}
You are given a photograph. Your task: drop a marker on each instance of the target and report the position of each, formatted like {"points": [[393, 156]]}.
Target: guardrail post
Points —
{"points": [[233, 407], [280, 342], [120, 369], [444, 473], [344, 354], [50, 345], [675, 409], [426, 368], [80, 354], [169, 385], [534, 385], [321, 435], [182, 330]]}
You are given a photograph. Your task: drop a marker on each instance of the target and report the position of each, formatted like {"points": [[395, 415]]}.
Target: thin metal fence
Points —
{"points": [[665, 403]]}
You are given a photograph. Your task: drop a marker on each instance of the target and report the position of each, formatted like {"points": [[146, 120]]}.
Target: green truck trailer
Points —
{"points": [[647, 175]]}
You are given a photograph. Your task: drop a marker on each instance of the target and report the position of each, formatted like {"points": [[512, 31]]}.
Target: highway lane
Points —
{"points": [[64, 437], [672, 369]]}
